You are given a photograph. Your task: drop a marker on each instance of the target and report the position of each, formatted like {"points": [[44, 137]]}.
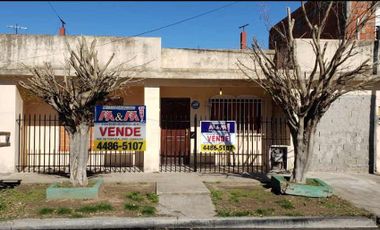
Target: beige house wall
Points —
{"points": [[10, 107]]}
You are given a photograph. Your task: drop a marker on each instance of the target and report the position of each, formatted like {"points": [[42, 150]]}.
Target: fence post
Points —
{"points": [[195, 142], [19, 160]]}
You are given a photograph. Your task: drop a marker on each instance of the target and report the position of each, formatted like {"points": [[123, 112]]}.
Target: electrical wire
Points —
{"points": [[55, 11], [174, 23], [139, 34]]}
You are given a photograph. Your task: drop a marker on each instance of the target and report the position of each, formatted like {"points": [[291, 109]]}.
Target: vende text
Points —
{"points": [[215, 138], [120, 131]]}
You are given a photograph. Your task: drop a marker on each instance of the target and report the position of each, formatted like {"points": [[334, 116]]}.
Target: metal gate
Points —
{"points": [[255, 135]]}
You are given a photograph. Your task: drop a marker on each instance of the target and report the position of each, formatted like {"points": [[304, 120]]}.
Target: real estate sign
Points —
{"points": [[218, 136], [120, 128]]}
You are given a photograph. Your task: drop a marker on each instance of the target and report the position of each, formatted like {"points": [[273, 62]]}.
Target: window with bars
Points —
{"points": [[246, 112]]}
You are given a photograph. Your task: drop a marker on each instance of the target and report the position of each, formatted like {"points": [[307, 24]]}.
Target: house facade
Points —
{"points": [[171, 82], [180, 88]]}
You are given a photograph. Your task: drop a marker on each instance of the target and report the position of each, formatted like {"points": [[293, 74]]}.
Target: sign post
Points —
{"points": [[218, 136], [120, 128]]}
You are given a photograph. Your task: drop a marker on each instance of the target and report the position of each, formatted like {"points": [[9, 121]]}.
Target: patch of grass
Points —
{"points": [[286, 204], [242, 199], [3, 206], [148, 210], [46, 211], [330, 205], [101, 207], [76, 215], [152, 197], [135, 196], [294, 213], [29, 201], [223, 213], [234, 199], [241, 213], [264, 211], [64, 211], [131, 207], [226, 213], [216, 195], [240, 193]]}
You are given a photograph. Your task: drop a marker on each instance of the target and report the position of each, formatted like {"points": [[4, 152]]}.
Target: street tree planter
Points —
{"points": [[54, 192], [314, 187]]}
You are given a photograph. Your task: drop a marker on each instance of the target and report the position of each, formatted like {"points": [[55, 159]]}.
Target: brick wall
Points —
{"points": [[316, 11]]}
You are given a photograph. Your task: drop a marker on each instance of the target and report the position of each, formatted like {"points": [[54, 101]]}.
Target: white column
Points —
{"points": [[153, 130], [11, 105]]}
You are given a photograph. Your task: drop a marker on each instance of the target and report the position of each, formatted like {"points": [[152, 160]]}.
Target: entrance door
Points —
{"points": [[175, 131]]}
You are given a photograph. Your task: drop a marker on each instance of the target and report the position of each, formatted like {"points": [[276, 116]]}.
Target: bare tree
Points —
{"points": [[74, 98], [306, 96]]}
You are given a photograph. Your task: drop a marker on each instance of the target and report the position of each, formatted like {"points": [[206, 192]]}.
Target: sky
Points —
{"points": [[216, 30]]}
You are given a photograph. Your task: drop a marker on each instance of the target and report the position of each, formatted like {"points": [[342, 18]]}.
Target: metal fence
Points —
{"points": [[44, 147], [252, 152]]}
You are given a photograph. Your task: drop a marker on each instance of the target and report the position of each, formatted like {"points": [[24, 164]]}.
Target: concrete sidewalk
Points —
{"points": [[363, 190]]}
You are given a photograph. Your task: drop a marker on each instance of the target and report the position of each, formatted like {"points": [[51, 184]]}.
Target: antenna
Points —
{"points": [[17, 27], [62, 22], [243, 26]]}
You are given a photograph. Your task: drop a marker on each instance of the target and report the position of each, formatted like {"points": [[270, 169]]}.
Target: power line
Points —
{"points": [[139, 34], [175, 23], [56, 13], [186, 19]]}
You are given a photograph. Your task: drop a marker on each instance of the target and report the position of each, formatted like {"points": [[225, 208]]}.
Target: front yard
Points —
{"points": [[247, 199], [115, 199]]}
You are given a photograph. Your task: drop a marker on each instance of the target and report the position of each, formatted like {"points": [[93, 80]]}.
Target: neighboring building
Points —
{"points": [[341, 10], [346, 135]]}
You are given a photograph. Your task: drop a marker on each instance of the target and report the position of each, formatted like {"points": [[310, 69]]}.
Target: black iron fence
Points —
{"points": [[44, 147], [252, 152]]}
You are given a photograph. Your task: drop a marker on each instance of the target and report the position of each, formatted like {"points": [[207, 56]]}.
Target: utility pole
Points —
{"points": [[17, 27]]}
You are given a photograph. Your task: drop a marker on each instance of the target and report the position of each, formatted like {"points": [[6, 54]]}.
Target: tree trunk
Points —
{"points": [[79, 155], [303, 141]]}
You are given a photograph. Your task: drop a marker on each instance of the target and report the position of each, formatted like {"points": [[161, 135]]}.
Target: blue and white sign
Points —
{"points": [[218, 136]]}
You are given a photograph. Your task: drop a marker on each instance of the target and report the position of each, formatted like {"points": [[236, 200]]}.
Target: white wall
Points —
{"points": [[10, 108], [306, 56], [153, 134]]}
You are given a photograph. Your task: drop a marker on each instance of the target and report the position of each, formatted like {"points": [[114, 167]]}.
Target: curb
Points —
{"points": [[164, 222]]}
